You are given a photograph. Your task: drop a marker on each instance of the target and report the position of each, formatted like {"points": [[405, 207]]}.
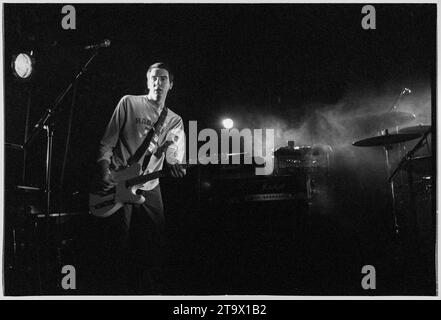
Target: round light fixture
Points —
{"points": [[23, 65]]}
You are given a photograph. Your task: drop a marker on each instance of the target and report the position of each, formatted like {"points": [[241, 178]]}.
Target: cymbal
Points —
{"points": [[419, 129], [385, 140]]}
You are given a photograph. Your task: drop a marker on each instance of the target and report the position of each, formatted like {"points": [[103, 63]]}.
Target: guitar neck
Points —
{"points": [[144, 178], [150, 176]]}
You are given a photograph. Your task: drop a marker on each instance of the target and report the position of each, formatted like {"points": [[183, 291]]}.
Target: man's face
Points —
{"points": [[158, 83]]}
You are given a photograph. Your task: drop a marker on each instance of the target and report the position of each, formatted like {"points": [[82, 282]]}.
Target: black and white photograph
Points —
{"points": [[219, 149]]}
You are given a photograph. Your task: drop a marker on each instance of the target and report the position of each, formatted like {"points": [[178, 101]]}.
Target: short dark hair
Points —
{"points": [[161, 65]]}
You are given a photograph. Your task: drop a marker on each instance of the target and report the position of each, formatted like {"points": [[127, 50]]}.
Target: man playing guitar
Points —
{"points": [[141, 134]]}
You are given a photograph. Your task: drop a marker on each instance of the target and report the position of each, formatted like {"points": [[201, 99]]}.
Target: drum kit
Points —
{"points": [[410, 162]]}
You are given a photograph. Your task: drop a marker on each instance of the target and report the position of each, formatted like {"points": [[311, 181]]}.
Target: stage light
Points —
{"points": [[227, 123], [23, 65]]}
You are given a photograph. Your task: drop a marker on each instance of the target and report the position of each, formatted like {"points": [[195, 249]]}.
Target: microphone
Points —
{"points": [[104, 44]]}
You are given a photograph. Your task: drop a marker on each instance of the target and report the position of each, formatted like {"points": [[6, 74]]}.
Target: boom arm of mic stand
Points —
{"points": [[394, 105], [51, 111], [409, 154]]}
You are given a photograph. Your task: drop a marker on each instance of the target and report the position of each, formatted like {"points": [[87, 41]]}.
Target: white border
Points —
{"points": [[2, 144], [214, 297]]}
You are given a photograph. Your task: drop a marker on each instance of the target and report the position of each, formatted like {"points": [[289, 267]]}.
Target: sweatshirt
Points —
{"points": [[132, 119]]}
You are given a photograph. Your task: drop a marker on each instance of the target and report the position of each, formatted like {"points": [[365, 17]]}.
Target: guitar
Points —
{"points": [[103, 204]]}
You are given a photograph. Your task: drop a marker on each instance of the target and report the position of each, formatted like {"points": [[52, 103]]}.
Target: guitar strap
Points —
{"points": [[150, 142]]}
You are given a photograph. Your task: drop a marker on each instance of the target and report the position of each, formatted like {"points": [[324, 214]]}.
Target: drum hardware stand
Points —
{"points": [[46, 122], [398, 254], [393, 118], [410, 243], [407, 160], [410, 154], [393, 108], [387, 149]]}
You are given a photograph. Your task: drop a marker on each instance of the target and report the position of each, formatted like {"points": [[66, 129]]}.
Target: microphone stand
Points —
{"points": [[46, 122], [394, 105]]}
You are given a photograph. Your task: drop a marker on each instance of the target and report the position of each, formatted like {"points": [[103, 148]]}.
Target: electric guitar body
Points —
{"points": [[103, 204]]}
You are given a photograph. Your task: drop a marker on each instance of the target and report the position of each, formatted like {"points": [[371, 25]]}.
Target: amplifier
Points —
{"points": [[290, 160], [257, 188]]}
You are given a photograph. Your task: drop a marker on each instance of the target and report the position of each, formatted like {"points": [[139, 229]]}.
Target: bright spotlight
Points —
{"points": [[23, 65], [228, 123]]}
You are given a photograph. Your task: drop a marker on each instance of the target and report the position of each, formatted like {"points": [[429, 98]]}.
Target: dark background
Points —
{"points": [[277, 66]]}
